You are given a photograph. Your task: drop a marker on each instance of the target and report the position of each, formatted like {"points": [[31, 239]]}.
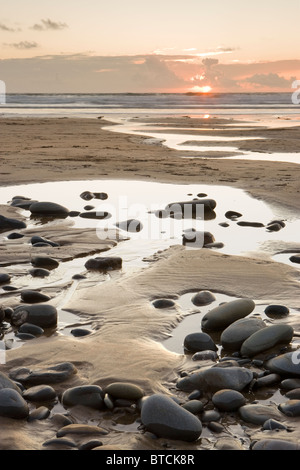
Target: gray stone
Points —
{"points": [[39, 272], [290, 384], [44, 375], [257, 413], [222, 316], [235, 334], [203, 297], [40, 393], [4, 278], [15, 236], [165, 418], [59, 443], [125, 390], [104, 263], [275, 444], [217, 378], [271, 424], [6, 382], [276, 311], [228, 443], [266, 338], [193, 209], [287, 364], [36, 239], [48, 208], [193, 406], [41, 315], [79, 332], [250, 224], [163, 303], [131, 225], [86, 395], [228, 400], [44, 262], [210, 416], [34, 296], [293, 394], [290, 408], [194, 342], [7, 223], [81, 430], [295, 259], [12, 404], [232, 214], [31, 329], [96, 215], [206, 355], [39, 413]]}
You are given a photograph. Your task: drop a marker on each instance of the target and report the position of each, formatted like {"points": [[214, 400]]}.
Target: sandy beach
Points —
{"points": [[126, 343]]}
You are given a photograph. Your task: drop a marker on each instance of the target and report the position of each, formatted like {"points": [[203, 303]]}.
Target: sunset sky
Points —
{"points": [[144, 46]]}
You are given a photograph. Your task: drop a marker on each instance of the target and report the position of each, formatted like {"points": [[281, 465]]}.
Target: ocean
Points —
{"points": [[159, 103]]}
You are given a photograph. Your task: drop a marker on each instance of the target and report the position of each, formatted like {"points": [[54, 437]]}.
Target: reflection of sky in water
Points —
{"points": [[136, 199]]}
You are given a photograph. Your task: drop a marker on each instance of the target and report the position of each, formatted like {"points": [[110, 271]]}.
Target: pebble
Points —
{"points": [[74, 213], [89, 445], [257, 413], [125, 390], [104, 264], [108, 402], [165, 418], [290, 384], [285, 365], [45, 375], [266, 381], [275, 444], [250, 224], [81, 429], [102, 196], [228, 400], [98, 215], [295, 259], [272, 424], [235, 334], [163, 303], [39, 272], [274, 227], [206, 355], [193, 209], [34, 296], [89, 208], [217, 378], [25, 336], [41, 315], [9, 288], [290, 408], [216, 427], [87, 195], [203, 297], [15, 236], [4, 278], [85, 395], [194, 406], [78, 277], [44, 262], [224, 224], [31, 329], [194, 342], [6, 382], [39, 393], [232, 215], [39, 413], [210, 416], [7, 223], [60, 443], [197, 238], [293, 394], [222, 316], [266, 338], [12, 404], [276, 311], [78, 332], [36, 239], [48, 208], [131, 225]]}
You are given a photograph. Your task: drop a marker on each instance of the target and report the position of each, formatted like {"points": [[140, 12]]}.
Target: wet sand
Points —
{"points": [[126, 344]]}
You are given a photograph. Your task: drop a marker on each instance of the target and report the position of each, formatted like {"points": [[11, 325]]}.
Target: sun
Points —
{"points": [[202, 89]]}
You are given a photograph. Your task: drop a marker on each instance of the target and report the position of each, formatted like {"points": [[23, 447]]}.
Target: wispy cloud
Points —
{"points": [[48, 24], [272, 80], [4, 27], [23, 45]]}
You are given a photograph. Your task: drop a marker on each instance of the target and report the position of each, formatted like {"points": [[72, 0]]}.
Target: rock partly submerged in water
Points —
{"points": [[33, 296], [202, 209], [266, 338], [222, 316], [104, 263], [44, 262], [46, 208], [203, 297], [235, 334], [200, 341], [217, 378], [165, 418], [41, 315]]}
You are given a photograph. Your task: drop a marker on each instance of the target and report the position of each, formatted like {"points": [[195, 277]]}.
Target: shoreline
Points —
{"points": [[126, 341]]}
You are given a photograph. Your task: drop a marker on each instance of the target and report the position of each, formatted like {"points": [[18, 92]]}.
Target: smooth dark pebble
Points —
{"points": [[232, 214], [25, 336], [276, 311], [32, 296], [77, 332], [250, 224], [39, 393], [74, 213], [295, 259], [215, 427], [9, 288], [39, 413], [39, 272], [210, 415], [78, 277], [15, 236], [90, 445], [59, 442], [31, 329], [4, 278], [163, 303]]}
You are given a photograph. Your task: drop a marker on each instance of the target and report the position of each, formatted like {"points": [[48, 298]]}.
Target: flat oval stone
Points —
{"points": [[40, 393], [232, 214], [39, 272], [41, 315], [39, 413], [235, 334], [45, 375], [12, 404], [86, 395], [271, 424], [199, 342], [79, 332], [125, 390], [228, 400], [15, 236], [31, 329], [222, 316], [36, 239], [290, 384], [163, 303], [4, 278], [193, 406], [7, 223], [275, 444], [6, 382], [34, 296], [276, 311], [266, 338], [104, 263], [206, 355], [48, 208], [217, 378], [250, 224], [287, 364], [290, 408], [203, 297], [44, 262], [258, 413], [165, 418], [210, 416], [295, 259], [197, 238], [59, 443], [81, 429], [293, 394], [97, 215]]}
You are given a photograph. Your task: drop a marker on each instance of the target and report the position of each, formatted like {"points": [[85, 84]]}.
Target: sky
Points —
{"points": [[100, 46]]}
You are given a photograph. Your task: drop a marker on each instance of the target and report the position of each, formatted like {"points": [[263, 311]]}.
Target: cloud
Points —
{"points": [[49, 25], [23, 45], [3, 27], [272, 80]]}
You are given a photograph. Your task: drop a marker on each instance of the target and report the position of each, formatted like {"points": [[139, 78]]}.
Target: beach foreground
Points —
{"points": [[126, 343]]}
